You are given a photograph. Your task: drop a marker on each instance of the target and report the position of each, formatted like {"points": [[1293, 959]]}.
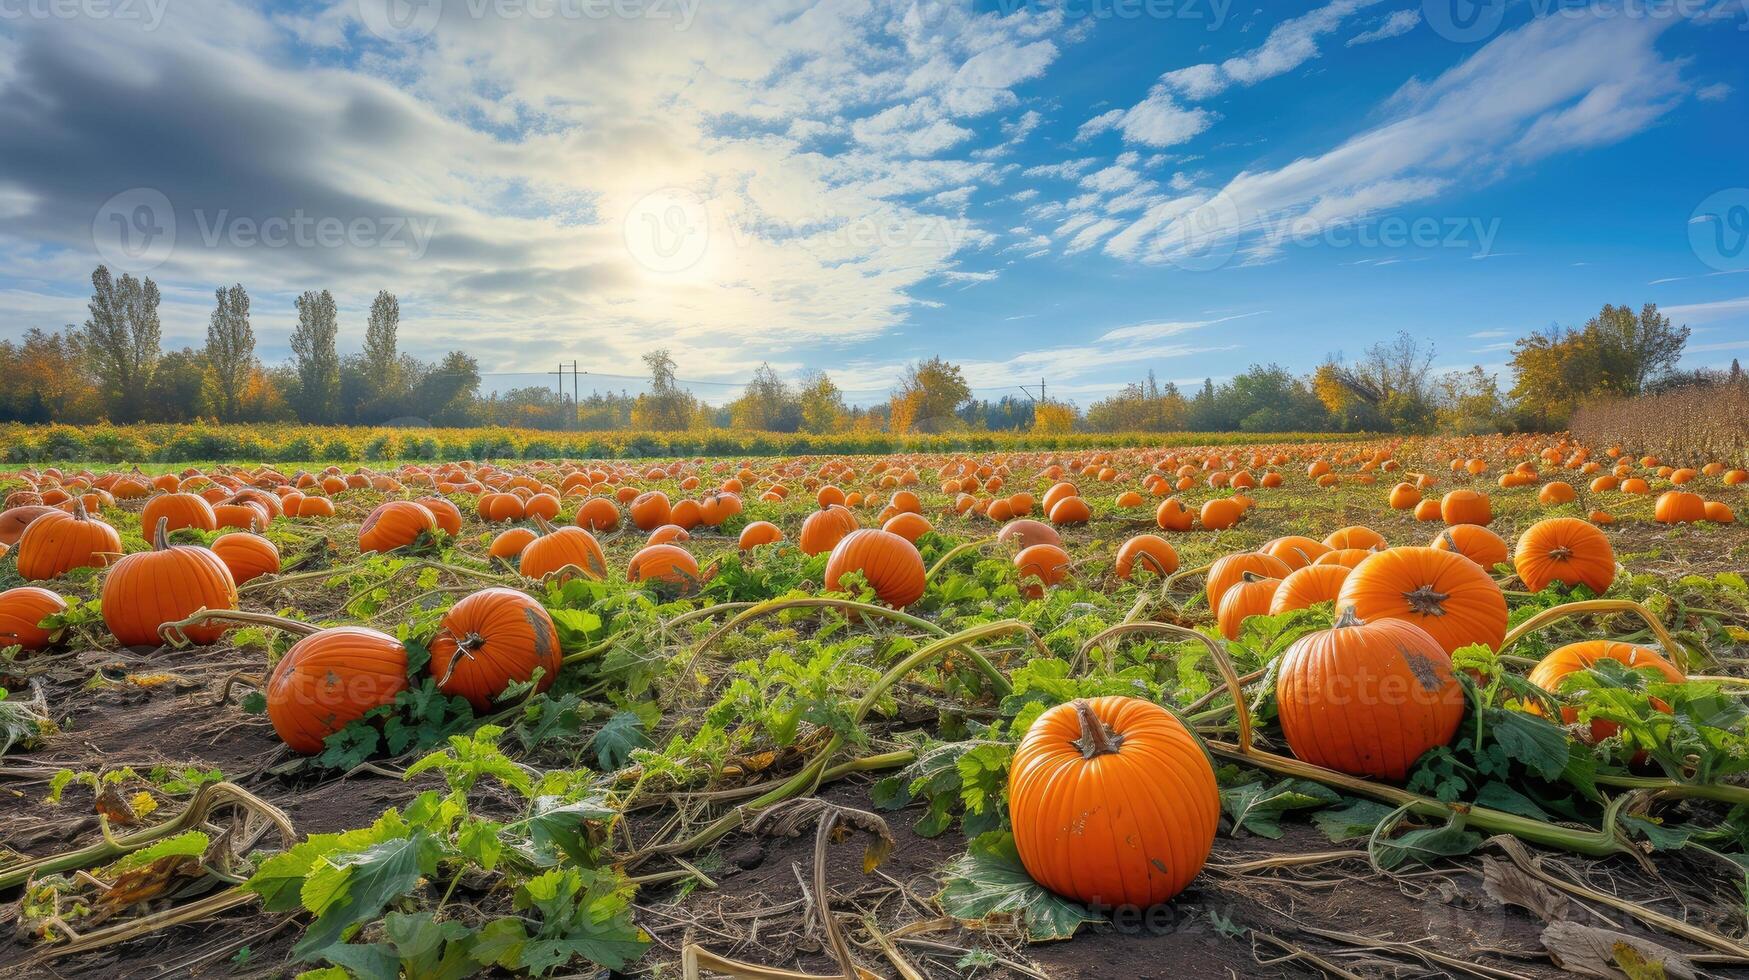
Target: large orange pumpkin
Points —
{"points": [[1113, 802], [889, 563], [171, 582], [447, 515], [14, 520], [823, 529], [759, 533], [1368, 698], [1474, 542], [394, 525], [1147, 552], [1442, 592], [490, 640], [1566, 550], [557, 548], [1679, 507], [56, 543], [1230, 571], [669, 564], [1466, 507], [1306, 587], [1025, 532], [1041, 565], [330, 679], [1251, 596], [181, 510], [22, 611]]}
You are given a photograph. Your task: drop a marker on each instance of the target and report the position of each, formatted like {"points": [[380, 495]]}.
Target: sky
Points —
{"points": [[1076, 192]]}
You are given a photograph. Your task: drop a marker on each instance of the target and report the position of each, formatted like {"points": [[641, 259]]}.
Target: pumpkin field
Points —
{"points": [[1470, 707]]}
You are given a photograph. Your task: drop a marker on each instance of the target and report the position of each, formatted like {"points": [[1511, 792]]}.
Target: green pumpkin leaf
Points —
{"points": [[1533, 741], [989, 880], [1258, 809]]}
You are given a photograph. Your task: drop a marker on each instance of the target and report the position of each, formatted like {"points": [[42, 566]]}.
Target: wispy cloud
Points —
{"points": [[1396, 25]]}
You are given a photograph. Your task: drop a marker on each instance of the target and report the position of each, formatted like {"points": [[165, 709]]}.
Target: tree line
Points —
{"points": [[114, 369]]}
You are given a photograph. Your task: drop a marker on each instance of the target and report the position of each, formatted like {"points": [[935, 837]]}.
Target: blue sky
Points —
{"points": [[1080, 191]]}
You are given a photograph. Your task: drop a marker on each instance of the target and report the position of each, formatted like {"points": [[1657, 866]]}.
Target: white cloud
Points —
{"points": [[1289, 45], [1708, 312], [1716, 92], [1399, 23]]}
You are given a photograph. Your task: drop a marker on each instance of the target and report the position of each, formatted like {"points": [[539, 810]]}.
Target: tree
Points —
{"points": [[666, 407], [766, 404], [178, 386], [1633, 350], [822, 405], [382, 364], [1387, 388], [1053, 418], [230, 353], [1618, 353], [121, 338], [318, 360], [1470, 403], [1139, 407], [447, 393], [928, 396], [46, 378]]}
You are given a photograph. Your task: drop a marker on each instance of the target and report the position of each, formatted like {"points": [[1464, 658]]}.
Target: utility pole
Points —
{"points": [[1027, 390], [571, 421]]}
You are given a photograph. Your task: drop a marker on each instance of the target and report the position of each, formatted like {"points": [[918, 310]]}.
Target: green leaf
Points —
{"points": [[254, 703], [500, 942], [1498, 796], [1357, 819], [584, 913], [616, 740], [990, 880], [1535, 741], [190, 843], [1254, 808], [352, 889], [1425, 846], [557, 827]]}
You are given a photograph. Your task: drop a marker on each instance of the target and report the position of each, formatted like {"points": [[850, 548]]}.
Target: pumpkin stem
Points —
{"points": [[1347, 619], [1563, 553], [545, 526], [79, 513], [1426, 602], [161, 534], [1096, 739]]}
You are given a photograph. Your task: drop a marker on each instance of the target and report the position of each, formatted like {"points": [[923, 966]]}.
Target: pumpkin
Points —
{"points": [[1466, 507], [1295, 550], [1071, 510], [1306, 587], [509, 544], [330, 679], [650, 510], [1355, 536], [1404, 496], [908, 525], [247, 554], [22, 611], [1679, 507], [598, 514], [558, 550], [1147, 552], [1474, 542], [394, 525], [1025, 532], [823, 529], [1368, 698], [447, 515], [1113, 802], [181, 510], [1230, 571], [890, 564], [1041, 565], [1442, 592], [1551, 670], [1251, 596], [1565, 550], [56, 543], [239, 513], [1720, 512], [1172, 515], [145, 590], [14, 520], [490, 640], [669, 564], [1347, 557], [758, 533], [1221, 513]]}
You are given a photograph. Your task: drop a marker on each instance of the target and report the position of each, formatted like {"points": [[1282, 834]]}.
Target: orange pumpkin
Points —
{"points": [[56, 543], [1565, 550], [890, 564], [1442, 592], [823, 529], [1025, 532], [1679, 507], [1368, 698], [1172, 515], [330, 679], [598, 514], [447, 515], [181, 510], [908, 525], [668, 564], [1041, 565], [1466, 507], [1296, 550], [1251, 596], [1149, 552], [1474, 542], [1552, 670], [1113, 802], [559, 551], [1230, 571], [758, 533], [394, 525], [1356, 536], [1071, 510], [171, 582], [14, 520], [22, 611], [1306, 587], [1221, 513], [510, 543], [490, 640], [247, 554]]}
